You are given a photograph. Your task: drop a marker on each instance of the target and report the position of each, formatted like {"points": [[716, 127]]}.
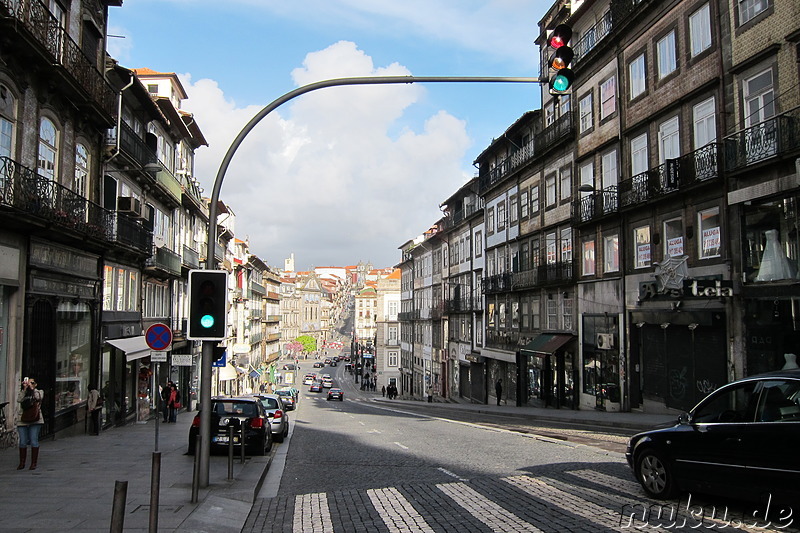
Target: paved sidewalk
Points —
{"points": [[73, 487]]}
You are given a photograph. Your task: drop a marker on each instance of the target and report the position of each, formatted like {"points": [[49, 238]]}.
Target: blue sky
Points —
{"points": [[344, 174]]}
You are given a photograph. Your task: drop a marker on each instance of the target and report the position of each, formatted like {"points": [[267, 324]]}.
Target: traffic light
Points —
{"points": [[561, 76], [208, 305]]}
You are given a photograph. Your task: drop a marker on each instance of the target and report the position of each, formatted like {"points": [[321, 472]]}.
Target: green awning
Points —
{"points": [[545, 343]]}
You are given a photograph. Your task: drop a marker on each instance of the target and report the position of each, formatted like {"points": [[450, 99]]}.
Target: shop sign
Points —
{"points": [[696, 288], [182, 359], [158, 357]]}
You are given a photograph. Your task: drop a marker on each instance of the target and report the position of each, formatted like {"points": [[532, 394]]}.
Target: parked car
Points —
{"points": [[279, 420], [287, 396], [740, 441], [226, 412], [318, 364], [315, 387], [289, 366], [336, 394]]}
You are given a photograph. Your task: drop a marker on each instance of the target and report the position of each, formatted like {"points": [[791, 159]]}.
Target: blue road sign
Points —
{"points": [[221, 362], [158, 337]]}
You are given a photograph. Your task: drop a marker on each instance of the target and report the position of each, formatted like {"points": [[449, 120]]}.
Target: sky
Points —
{"points": [[339, 175]]}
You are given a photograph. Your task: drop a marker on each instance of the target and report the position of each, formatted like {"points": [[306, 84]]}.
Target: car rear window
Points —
{"points": [[270, 403], [234, 408]]}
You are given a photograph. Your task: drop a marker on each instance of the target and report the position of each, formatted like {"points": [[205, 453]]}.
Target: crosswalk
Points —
{"points": [[581, 499]]}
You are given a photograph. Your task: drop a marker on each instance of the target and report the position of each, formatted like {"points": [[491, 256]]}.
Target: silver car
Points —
{"points": [[278, 417]]}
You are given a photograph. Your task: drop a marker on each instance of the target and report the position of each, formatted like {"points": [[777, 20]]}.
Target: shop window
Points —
{"points": [[641, 236], [74, 327], [673, 238], [771, 240], [709, 223]]}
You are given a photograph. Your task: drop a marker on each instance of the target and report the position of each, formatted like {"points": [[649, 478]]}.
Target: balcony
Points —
{"points": [[164, 261], [132, 233], [272, 318], [593, 36], [526, 279], [700, 166], [497, 174], [496, 283], [461, 215], [132, 145], [257, 288], [34, 18], [191, 258], [464, 305], [775, 137], [502, 340], [556, 273], [46, 201]]}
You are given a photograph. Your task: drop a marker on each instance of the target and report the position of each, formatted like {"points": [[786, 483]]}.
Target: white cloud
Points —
{"points": [[322, 176]]}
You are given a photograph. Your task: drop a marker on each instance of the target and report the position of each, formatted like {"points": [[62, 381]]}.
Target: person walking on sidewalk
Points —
{"points": [[94, 404], [174, 402], [498, 389], [166, 390], [30, 422]]}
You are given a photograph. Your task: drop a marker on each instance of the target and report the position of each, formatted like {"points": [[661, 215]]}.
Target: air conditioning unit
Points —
{"points": [[605, 341], [129, 205]]}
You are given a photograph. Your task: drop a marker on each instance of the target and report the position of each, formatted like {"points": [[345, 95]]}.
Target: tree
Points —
{"points": [[309, 343]]}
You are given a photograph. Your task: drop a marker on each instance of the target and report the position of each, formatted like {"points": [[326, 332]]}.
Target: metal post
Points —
{"points": [[230, 453], [196, 469], [155, 488], [205, 407], [158, 403], [118, 507], [241, 441]]}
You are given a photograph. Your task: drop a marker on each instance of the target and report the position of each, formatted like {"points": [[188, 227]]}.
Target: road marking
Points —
{"points": [[404, 447], [375, 431], [397, 512], [311, 514], [451, 474], [497, 518]]}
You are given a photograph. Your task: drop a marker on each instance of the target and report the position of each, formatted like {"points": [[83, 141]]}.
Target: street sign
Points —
{"points": [[158, 337], [182, 359], [221, 362], [158, 357]]}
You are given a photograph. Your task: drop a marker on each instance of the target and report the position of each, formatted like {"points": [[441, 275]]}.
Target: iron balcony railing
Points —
{"points": [[502, 339], [44, 199], [36, 18], [132, 233], [591, 37], [165, 260], [464, 304], [777, 136], [496, 283], [191, 257], [134, 146], [257, 288], [541, 275], [462, 214]]}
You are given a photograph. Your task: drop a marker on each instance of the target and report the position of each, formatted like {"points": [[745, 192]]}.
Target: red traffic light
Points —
{"points": [[560, 36]]}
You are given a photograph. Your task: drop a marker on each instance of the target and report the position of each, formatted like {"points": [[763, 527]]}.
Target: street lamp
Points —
{"points": [[205, 382]]}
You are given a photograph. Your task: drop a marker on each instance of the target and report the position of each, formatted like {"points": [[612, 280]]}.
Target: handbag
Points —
{"points": [[176, 405], [31, 414]]}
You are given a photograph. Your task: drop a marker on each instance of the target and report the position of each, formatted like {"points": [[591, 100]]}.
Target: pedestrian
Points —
{"points": [[430, 394], [174, 403], [166, 390], [30, 421], [94, 405], [383, 390], [498, 389]]}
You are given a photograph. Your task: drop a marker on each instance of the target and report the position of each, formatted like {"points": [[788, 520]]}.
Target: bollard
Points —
{"points": [[155, 488], [118, 507], [241, 441], [230, 453], [196, 472]]}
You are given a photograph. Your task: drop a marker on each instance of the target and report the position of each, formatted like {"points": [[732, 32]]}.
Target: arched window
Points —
{"points": [[7, 120], [81, 181], [48, 149]]}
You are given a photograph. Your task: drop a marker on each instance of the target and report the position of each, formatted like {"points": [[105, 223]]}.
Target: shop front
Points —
{"points": [[124, 362], [548, 378]]}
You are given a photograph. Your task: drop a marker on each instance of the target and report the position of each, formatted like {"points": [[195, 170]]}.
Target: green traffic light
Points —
{"points": [[561, 83], [207, 321]]}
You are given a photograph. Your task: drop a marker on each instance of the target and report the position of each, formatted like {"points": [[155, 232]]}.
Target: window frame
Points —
{"points": [[709, 236], [588, 258], [637, 76], [700, 36], [642, 238], [611, 264], [606, 97], [667, 55], [585, 113]]}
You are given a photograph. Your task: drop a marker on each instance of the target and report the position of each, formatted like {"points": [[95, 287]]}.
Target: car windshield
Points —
{"points": [[234, 408]]}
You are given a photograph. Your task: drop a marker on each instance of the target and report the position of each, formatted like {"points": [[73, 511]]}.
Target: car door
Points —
{"points": [[713, 456]]}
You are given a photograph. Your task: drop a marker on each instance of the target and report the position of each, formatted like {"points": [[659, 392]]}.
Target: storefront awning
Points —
{"points": [[134, 347], [545, 343], [226, 373]]}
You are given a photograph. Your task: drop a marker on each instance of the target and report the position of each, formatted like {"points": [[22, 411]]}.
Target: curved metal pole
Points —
{"points": [[205, 382]]}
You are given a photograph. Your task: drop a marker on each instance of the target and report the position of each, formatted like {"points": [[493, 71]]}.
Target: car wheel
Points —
{"points": [[655, 475], [278, 437], [341, 398]]}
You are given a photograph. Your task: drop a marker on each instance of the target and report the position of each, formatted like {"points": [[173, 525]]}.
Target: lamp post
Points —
{"points": [[205, 382]]}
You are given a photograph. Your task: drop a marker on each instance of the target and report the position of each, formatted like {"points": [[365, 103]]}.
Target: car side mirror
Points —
{"points": [[683, 418]]}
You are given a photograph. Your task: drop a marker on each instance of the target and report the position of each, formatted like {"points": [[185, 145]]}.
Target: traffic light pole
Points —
{"points": [[205, 378]]}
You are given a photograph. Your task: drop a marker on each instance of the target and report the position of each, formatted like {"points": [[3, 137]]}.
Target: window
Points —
{"points": [[551, 248], [667, 62], [523, 204], [566, 312], [524, 256], [639, 158], [734, 404], [535, 314], [611, 253], [668, 140], [566, 245], [490, 221], [563, 105], [501, 215], [120, 289], [636, 73], [705, 125], [588, 259], [748, 9], [534, 199], [709, 223], [552, 314], [478, 243], [550, 190], [585, 111], [587, 174], [48, 149], [525, 311], [513, 209], [673, 238], [641, 236], [7, 113], [759, 98], [566, 183], [610, 177], [152, 88], [700, 30], [608, 94], [391, 358], [549, 113], [81, 180]]}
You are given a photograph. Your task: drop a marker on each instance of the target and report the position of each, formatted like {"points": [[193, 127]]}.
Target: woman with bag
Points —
{"points": [[174, 402], [30, 421]]}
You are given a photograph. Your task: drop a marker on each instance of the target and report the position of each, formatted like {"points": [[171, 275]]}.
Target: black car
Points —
{"points": [[741, 441], [336, 394], [226, 412]]}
